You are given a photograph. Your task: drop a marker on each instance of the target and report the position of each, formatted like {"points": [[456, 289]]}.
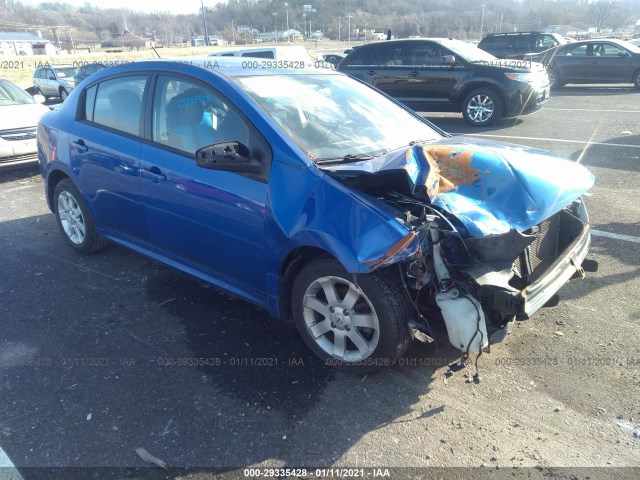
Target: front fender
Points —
{"points": [[310, 208]]}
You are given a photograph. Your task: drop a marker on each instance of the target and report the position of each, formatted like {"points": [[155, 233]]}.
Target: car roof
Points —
{"points": [[225, 66], [514, 33], [617, 41]]}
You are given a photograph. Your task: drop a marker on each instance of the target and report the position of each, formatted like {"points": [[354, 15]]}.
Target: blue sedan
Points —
{"points": [[318, 198]]}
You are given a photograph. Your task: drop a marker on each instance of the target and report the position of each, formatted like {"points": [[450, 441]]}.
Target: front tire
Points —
{"points": [[355, 328], [75, 219], [63, 94], [482, 107], [554, 79]]}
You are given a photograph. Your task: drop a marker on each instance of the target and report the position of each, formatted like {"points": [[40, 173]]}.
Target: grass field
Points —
{"points": [[20, 69]]}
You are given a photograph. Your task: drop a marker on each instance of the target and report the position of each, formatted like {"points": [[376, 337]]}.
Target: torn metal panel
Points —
{"points": [[491, 188]]}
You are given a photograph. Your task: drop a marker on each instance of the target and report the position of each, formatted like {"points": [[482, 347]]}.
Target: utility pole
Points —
{"points": [[349, 17], [275, 27], [482, 20], [286, 6], [339, 29], [204, 21]]}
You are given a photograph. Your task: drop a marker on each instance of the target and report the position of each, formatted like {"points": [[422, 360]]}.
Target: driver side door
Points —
{"points": [[210, 219]]}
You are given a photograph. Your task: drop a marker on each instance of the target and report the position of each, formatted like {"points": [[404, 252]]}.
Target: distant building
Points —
{"points": [[129, 41], [20, 43], [574, 29]]}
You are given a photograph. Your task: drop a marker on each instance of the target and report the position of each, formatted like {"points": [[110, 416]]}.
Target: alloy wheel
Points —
{"points": [[71, 218]]}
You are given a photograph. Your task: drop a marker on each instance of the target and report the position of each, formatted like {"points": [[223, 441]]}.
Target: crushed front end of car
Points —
{"points": [[494, 231]]}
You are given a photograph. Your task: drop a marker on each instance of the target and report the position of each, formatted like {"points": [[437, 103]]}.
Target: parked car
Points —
{"points": [[444, 75], [333, 58], [19, 115], [518, 44], [54, 80], [86, 70], [316, 197], [294, 54], [592, 61], [635, 42]]}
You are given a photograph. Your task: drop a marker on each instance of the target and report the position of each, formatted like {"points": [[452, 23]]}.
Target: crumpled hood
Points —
{"points": [[490, 187]]}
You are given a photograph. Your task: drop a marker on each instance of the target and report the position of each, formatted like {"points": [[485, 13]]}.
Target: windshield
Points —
{"points": [[333, 116], [468, 51], [66, 72], [11, 94]]}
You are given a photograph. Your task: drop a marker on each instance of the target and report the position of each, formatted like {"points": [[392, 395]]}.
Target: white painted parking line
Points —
{"points": [[616, 236], [8, 470], [559, 140], [590, 110]]}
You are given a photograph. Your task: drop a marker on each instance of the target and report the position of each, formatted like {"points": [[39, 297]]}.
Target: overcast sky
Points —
{"points": [[175, 6]]}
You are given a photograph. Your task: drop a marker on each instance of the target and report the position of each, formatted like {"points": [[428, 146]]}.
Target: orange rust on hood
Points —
{"points": [[452, 167]]}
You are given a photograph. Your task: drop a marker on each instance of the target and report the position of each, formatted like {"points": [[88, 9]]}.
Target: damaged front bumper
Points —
{"points": [[538, 294], [480, 303]]}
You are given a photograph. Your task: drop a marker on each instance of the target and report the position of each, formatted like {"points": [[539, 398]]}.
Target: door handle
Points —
{"points": [[80, 146], [413, 74], [154, 174], [371, 72]]}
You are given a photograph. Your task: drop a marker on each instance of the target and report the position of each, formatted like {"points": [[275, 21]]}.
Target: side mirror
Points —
{"points": [[229, 157], [38, 98], [448, 59]]}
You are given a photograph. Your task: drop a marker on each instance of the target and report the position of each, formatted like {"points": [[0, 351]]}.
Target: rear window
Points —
{"points": [[265, 54]]}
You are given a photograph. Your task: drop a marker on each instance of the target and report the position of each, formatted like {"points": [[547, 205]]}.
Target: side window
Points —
{"points": [[609, 50], [188, 116], [389, 54], [48, 74], [576, 51], [90, 102], [548, 41], [359, 57], [523, 42], [118, 103], [495, 41]]}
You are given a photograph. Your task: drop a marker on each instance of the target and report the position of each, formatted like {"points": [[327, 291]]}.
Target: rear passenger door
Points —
{"points": [[104, 147], [573, 62], [430, 81]]}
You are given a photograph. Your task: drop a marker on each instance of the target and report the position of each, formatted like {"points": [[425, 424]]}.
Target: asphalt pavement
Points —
{"points": [[104, 354]]}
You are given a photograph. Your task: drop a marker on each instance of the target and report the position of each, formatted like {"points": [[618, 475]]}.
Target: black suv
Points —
{"points": [[445, 75], [518, 44]]}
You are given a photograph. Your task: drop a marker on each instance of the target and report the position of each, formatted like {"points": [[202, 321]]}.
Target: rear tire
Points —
{"points": [[357, 329], [75, 219], [482, 107], [636, 79]]}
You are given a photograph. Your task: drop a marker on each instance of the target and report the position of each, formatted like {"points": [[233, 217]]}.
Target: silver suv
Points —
{"points": [[54, 80]]}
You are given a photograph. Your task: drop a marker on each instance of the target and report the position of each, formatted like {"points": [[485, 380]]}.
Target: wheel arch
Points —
{"points": [[290, 266], [54, 177]]}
